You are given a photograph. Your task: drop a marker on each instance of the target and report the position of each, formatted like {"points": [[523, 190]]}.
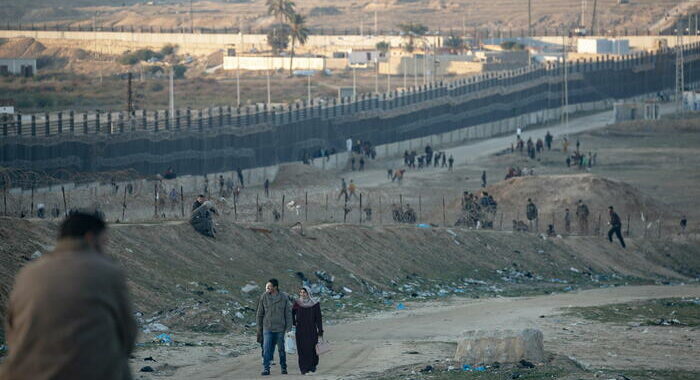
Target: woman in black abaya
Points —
{"points": [[306, 314]]}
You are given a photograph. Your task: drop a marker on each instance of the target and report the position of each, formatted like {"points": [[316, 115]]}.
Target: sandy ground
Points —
{"points": [[381, 342]]}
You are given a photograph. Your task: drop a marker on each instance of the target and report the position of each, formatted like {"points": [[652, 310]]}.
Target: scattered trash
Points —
{"points": [[155, 327], [147, 369], [239, 315], [423, 225], [149, 359], [324, 276], [164, 338], [249, 288], [449, 231], [347, 290], [466, 368], [222, 291], [427, 369], [515, 375], [480, 369], [36, 255], [574, 270], [667, 322], [526, 364], [451, 368], [411, 352], [400, 306]]}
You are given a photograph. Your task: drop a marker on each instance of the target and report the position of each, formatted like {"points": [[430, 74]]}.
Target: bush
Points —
{"points": [[157, 87], [138, 56], [324, 11], [179, 71], [168, 49], [512, 45]]}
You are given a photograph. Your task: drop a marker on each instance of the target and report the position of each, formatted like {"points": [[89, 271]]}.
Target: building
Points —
{"points": [[363, 58], [444, 64], [603, 46], [7, 106], [25, 67]]}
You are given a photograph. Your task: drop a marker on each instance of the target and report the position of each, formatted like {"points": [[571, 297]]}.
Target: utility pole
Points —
{"points": [[583, 13], [172, 93], [595, 6], [376, 31], [680, 80], [238, 87], [129, 97], [529, 18], [308, 89], [376, 75], [268, 88], [191, 18], [565, 100], [354, 84]]}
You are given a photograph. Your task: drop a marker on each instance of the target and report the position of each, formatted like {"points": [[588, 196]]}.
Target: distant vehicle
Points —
{"points": [[188, 60], [581, 31]]}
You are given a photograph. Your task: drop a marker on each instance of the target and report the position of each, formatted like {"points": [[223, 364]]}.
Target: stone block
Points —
{"points": [[503, 346]]}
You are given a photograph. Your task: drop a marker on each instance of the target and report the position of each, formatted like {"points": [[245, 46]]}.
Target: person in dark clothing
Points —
{"points": [[222, 183], [239, 172], [615, 226], [451, 162], [390, 174], [267, 187], [548, 140], [483, 178], [568, 161], [684, 224], [531, 213], [362, 163], [198, 202], [306, 314], [201, 219]]}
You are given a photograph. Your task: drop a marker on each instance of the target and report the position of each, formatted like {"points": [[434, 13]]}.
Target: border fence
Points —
{"points": [[221, 138]]}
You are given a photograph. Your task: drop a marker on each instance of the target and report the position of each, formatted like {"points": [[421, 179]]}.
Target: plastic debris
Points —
{"points": [[400, 306], [36, 255], [347, 290], [147, 369], [423, 225], [155, 327], [164, 338], [239, 315], [466, 368], [480, 369]]}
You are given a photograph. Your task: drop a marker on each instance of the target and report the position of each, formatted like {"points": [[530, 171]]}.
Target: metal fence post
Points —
{"points": [[47, 124]]}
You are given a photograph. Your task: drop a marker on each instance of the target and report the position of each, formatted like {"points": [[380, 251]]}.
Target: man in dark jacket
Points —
{"points": [[615, 226], [274, 320], [198, 202], [69, 315]]}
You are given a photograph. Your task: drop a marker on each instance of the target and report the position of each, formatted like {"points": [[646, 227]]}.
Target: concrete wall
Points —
{"points": [[274, 63], [195, 44]]}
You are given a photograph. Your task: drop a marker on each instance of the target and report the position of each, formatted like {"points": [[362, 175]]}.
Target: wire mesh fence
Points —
{"points": [[152, 201]]}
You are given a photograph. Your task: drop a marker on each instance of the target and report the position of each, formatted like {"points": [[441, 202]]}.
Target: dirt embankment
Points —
{"points": [[187, 281]]}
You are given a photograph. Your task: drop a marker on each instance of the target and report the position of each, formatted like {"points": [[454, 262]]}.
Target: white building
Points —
{"points": [[18, 66], [603, 46], [262, 63]]}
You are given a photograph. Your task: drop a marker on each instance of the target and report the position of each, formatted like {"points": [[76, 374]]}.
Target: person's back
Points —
{"points": [[69, 317]]}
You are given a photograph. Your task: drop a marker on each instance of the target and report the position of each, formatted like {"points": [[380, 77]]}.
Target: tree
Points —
{"points": [[454, 43], [383, 47], [282, 9], [410, 31], [278, 37], [179, 71], [299, 32]]}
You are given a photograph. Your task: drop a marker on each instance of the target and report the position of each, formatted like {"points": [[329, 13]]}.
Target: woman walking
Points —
{"points": [[306, 314]]}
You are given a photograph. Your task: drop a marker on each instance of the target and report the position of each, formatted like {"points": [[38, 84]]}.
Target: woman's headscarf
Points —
{"points": [[309, 301]]}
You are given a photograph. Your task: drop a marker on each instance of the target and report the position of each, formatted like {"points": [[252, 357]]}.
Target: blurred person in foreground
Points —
{"points": [[69, 315]]}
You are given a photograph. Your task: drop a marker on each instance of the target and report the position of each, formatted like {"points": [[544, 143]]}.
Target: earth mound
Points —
{"points": [[21, 48], [300, 175], [555, 193]]}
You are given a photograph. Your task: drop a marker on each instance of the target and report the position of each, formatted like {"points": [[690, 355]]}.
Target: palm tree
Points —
{"points": [[299, 32], [282, 9], [383, 47], [412, 30], [454, 43]]}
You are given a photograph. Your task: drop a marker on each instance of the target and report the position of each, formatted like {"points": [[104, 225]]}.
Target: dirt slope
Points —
{"points": [[191, 282]]}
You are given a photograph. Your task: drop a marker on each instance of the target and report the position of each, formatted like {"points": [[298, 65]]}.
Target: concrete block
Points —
{"points": [[503, 346]]}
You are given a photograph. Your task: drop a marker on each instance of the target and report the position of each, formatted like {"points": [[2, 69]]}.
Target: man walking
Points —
{"points": [[483, 178], [451, 162], [274, 320], [69, 314], [343, 189], [616, 226]]}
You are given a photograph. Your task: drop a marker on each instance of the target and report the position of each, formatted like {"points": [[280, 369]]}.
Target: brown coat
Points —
{"points": [[69, 317]]}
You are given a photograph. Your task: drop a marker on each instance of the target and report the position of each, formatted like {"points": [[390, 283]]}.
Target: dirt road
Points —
{"points": [[381, 342]]}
